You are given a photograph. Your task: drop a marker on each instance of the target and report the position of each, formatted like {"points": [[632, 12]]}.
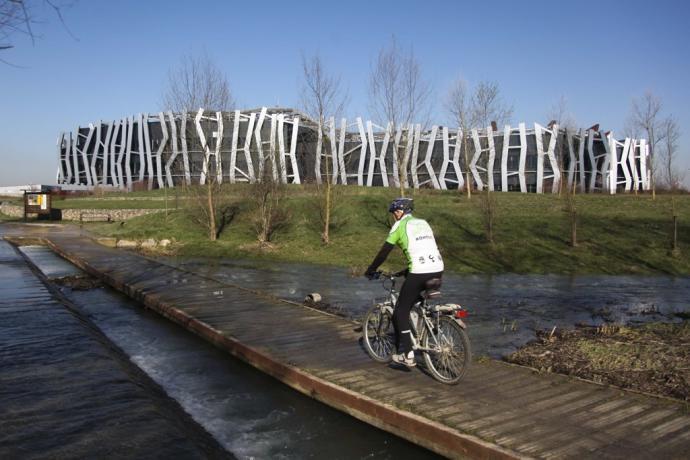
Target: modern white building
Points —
{"points": [[166, 149]]}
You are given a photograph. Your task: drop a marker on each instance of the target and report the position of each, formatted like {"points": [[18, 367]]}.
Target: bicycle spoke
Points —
{"points": [[378, 336], [449, 353]]}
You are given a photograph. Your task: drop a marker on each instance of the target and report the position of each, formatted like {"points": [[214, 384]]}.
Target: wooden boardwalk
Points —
{"points": [[497, 411]]}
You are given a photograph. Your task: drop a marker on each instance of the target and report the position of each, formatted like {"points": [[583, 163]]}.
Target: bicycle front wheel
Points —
{"points": [[378, 334], [449, 354]]}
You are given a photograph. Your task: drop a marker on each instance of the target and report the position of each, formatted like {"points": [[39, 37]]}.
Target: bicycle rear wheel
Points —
{"points": [[378, 334], [450, 355]]}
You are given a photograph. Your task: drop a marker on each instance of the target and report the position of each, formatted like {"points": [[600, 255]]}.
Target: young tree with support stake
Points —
{"points": [[322, 98], [197, 83]]}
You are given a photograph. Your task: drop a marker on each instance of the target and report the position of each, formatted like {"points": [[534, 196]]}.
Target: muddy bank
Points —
{"points": [[653, 358]]}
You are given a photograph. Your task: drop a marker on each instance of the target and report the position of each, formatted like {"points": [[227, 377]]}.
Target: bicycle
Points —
{"points": [[438, 331]]}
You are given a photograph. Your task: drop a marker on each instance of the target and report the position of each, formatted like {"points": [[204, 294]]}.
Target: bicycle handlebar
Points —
{"points": [[378, 274]]}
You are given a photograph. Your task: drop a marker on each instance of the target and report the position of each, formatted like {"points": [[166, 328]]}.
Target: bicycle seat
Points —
{"points": [[432, 288]]}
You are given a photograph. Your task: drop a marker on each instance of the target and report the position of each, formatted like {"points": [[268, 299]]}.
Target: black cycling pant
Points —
{"points": [[409, 295]]}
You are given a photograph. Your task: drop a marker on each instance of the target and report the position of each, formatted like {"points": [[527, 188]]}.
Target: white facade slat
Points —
{"points": [[362, 152], [147, 151], [96, 155], [128, 153], [61, 177], [341, 152], [185, 150], [249, 173], [396, 149], [118, 149], [204, 146], [549, 153], [75, 157], [319, 150], [415, 155], [140, 146], [449, 161], [261, 159], [272, 148], [632, 163], [335, 164], [161, 148], [293, 151], [233, 146], [377, 158], [281, 148], [174, 153]]}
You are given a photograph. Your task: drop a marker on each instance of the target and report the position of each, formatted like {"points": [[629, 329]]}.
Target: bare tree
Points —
{"points": [[560, 113], [210, 205], [18, 17], [458, 104], [197, 82], [270, 214], [645, 117], [400, 96], [668, 151], [322, 98], [488, 105]]}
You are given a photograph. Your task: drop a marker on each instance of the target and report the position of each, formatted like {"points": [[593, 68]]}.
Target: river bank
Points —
{"points": [[651, 358], [622, 234]]}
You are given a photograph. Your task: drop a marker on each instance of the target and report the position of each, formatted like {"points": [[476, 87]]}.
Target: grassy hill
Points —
{"points": [[617, 234]]}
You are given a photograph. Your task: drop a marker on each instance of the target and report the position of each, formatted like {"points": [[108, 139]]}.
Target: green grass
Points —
{"points": [[617, 234]]}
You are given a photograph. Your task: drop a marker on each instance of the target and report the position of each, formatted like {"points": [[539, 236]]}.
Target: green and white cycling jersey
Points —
{"points": [[416, 239]]}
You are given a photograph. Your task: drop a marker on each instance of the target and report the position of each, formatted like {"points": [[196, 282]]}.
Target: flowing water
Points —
{"points": [[247, 412], [504, 310]]}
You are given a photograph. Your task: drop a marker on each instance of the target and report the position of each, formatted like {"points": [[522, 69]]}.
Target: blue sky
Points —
{"points": [[598, 55]]}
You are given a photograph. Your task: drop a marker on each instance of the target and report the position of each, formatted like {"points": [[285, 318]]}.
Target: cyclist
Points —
{"points": [[416, 239]]}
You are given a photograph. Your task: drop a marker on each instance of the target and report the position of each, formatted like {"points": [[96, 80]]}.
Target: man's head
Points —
{"points": [[401, 206]]}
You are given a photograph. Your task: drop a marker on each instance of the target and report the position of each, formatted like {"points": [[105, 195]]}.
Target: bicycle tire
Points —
{"points": [[449, 364], [379, 342]]}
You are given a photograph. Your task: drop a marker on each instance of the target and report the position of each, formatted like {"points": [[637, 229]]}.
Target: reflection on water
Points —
{"points": [[504, 309]]}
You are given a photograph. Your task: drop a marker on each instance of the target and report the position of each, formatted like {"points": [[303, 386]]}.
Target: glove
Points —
{"points": [[372, 274]]}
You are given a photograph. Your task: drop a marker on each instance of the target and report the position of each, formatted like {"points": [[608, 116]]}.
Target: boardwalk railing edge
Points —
{"points": [[427, 433]]}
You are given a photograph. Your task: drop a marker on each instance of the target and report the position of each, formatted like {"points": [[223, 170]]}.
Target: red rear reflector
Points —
{"points": [[461, 314]]}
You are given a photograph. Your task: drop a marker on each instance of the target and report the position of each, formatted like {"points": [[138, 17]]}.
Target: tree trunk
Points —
{"points": [[675, 233], [327, 214], [573, 230], [468, 184], [652, 169], [211, 213]]}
